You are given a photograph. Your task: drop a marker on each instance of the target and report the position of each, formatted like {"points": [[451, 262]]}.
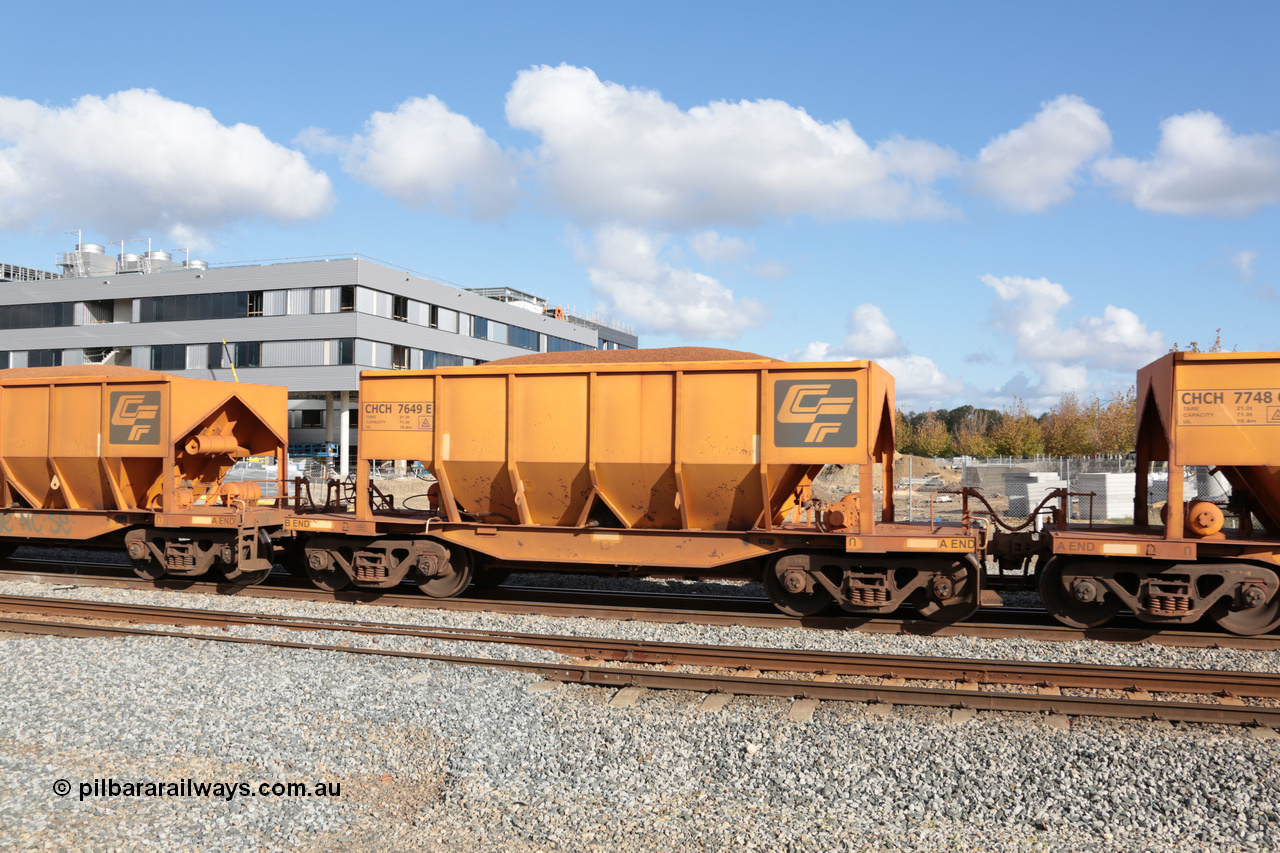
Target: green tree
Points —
{"points": [[932, 437], [1068, 426], [904, 433], [1018, 433], [973, 436], [1116, 425]]}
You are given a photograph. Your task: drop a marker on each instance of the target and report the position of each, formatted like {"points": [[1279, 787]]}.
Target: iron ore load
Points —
{"points": [[683, 462]]}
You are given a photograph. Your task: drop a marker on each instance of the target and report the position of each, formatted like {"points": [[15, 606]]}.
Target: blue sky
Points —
{"points": [[991, 199]]}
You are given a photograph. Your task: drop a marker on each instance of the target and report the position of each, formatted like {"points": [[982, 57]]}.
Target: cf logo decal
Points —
{"points": [[812, 412], [135, 417]]}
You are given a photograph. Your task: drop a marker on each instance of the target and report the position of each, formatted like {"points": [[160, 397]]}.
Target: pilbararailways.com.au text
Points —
{"points": [[108, 788]]}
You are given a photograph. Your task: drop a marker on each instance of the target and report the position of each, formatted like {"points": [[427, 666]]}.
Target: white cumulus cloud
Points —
{"points": [[629, 273], [1026, 311], [137, 160], [870, 333], [427, 157], [1034, 166], [613, 153], [1200, 168], [712, 247], [918, 381]]}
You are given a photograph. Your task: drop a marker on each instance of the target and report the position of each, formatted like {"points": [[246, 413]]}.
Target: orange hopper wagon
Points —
{"points": [[110, 456], [1219, 559], [674, 462]]}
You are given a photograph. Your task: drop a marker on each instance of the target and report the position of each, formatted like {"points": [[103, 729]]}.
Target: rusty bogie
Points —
{"points": [[379, 563], [941, 588], [1159, 592], [244, 554]]}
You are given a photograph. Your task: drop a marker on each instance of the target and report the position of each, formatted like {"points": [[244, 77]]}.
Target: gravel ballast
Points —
{"points": [[435, 757]]}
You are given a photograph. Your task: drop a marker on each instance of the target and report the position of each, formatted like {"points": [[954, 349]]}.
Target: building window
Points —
{"points": [[306, 419], [200, 306], [215, 356], [399, 357], [4, 361], [555, 344], [169, 357], [480, 328], [400, 308], [44, 358], [248, 354], [432, 360], [347, 298], [523, 338], [346, 351], [41, 316]]}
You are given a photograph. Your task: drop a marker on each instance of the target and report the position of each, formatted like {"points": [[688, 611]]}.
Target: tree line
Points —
{"points": [[1072, 427]]}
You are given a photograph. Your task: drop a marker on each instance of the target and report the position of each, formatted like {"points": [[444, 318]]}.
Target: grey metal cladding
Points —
{"points": [[419, 313], [292, 353], [299, 301], [364, 351], [325, 300], [197, 356], [275, 303], [296, 379]]}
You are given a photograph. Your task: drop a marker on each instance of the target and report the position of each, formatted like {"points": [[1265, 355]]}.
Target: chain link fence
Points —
{"points": [[1102, 487]]}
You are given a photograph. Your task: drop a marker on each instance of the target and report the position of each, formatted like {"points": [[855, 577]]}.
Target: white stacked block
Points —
{"points": [[1028, 488], [1113, 495]]}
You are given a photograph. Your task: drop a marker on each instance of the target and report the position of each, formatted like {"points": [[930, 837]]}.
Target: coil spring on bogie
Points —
{"points": [[1169, 604], [371, 568], [869, 595], [179, 560]]}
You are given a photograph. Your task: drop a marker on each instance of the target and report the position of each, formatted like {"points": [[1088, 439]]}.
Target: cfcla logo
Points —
{"points": [[135, 417], [812, 412], [804, 404]]}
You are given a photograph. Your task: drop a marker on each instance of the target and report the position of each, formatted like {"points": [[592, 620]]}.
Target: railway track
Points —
{"points": [[880, 681], [741, 611]]}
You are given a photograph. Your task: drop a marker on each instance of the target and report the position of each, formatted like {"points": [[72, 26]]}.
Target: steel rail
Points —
{"points": [[1190, 712], [979, 630], [964, 670]]}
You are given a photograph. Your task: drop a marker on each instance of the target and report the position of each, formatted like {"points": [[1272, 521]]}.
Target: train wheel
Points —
{"points": [[147, 568], [324, 571], [1252, 620], [961, 600], [239, 577], [145, 565], [785, 584], [452, 575], [1068, 608]]}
